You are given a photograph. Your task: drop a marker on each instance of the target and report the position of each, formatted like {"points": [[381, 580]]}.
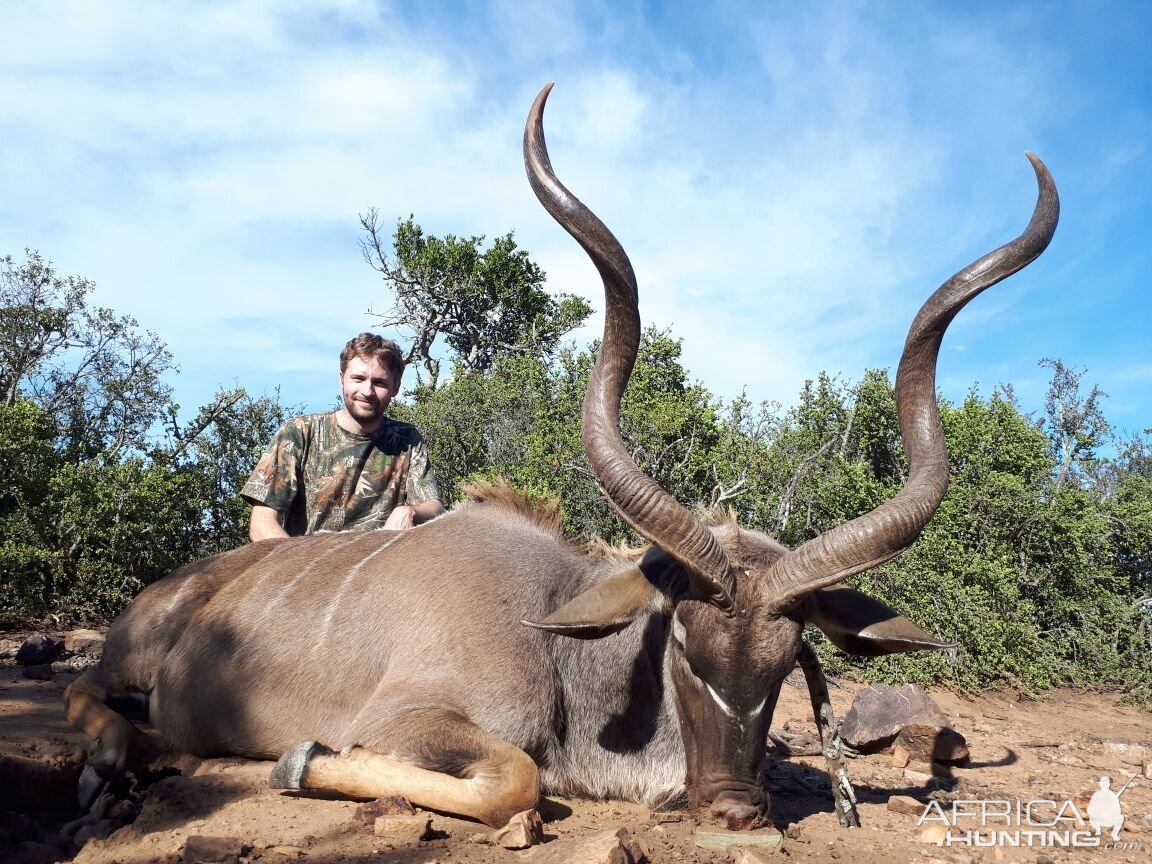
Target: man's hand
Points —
{"points": [[401, 518], [264, 523], [407, 516]]}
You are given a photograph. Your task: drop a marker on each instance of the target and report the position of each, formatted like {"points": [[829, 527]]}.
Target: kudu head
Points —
{"points": [[736, 626]]}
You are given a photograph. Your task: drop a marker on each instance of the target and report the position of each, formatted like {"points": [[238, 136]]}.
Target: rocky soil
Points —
{"points": [[1055, 750]]}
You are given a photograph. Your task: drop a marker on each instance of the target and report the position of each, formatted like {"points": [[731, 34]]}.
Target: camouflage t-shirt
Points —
{"points": [[320, 477]]}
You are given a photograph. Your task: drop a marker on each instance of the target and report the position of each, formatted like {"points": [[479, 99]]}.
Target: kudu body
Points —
{"points": [[472, 662]]}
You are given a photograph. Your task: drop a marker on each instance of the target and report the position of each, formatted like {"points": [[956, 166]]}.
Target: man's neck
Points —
{"points": [[350, 424]]}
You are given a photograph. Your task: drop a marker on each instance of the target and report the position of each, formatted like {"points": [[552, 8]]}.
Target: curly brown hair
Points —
{"points": [[372, 346]]}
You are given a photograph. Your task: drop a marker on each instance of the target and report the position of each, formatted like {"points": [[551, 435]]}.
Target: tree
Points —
{"points": [[95, 374], [1075, 424], [95, 500], [28, 461], [482, 303], [218, 449], [521, 419], [38, 314]]}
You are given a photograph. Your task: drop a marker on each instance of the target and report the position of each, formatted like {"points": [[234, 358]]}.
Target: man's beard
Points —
{"points": [[364, 411]]}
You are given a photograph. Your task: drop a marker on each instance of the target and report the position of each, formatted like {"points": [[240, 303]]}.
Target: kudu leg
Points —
{"points": [[113, 736], [474, 773], [830, 743]]}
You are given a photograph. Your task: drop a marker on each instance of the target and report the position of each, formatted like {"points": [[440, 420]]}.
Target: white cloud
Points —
{"points": [[790, 182]]}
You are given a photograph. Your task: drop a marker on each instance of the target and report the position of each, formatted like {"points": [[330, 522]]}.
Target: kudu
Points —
{"points": [[477, 660]]}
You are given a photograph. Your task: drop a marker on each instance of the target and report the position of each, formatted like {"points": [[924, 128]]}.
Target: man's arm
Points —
{"points": [[410, 515], [264, 523]]}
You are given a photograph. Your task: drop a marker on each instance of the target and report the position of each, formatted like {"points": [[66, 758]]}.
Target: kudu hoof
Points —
{"points": [[289, 772], [90, 787]]}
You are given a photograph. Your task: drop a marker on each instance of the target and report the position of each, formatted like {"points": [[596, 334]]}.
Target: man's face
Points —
{"points": [[368, 388]]}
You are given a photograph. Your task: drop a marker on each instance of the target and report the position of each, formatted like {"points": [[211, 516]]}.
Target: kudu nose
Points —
{"points": [[738, 812]]}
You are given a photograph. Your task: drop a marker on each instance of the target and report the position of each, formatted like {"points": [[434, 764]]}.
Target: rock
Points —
{"points": [[763, 837], [603, 847], [906, 804], [84, 642], [370, 811], [879, 712], [936, 835], [754, 854], [1123, 747], [1146, 767], [39, 649], [900, 756], [213, 850], [923, 773], [403, 829], [40, 672], [664, 817], [932, 744], [522, 831]]}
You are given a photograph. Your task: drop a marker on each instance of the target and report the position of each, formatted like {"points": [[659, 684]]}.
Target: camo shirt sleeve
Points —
{"points": [[421, 484], [277, 479]]}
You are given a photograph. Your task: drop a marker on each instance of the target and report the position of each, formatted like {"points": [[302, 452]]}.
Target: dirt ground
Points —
{"points": [[1055, 750]]}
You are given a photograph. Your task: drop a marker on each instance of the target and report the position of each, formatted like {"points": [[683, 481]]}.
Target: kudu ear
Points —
{"points": [[602, 610], [859, 624]]}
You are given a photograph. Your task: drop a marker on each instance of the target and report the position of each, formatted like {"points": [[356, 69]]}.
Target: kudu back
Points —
{"points": [[479, 659]]}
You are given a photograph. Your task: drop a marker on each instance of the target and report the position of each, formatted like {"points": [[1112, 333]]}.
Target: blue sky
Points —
{"points": [[791, 180]]}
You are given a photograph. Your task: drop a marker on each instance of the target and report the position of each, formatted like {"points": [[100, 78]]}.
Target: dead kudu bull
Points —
{"points": [[477, 660]]}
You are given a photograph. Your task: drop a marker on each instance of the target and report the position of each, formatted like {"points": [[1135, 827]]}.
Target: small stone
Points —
{"points": [[39, 649], [905, 804], [900, 756], [84, 642], [1146, 767], [287, 851], [601, 847], [199, 849], [934, 835], [522, 831], [1122, 746], [663, 817], [754, 854], [763, 837], [403, 829], [919, 774], [370, 811], [41, 672]]}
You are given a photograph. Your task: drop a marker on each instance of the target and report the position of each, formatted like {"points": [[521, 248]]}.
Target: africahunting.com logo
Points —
{"points": [[1040, 823]]}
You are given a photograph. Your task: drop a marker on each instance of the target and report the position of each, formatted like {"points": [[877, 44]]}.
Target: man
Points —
{"points": [[347, 470]]}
